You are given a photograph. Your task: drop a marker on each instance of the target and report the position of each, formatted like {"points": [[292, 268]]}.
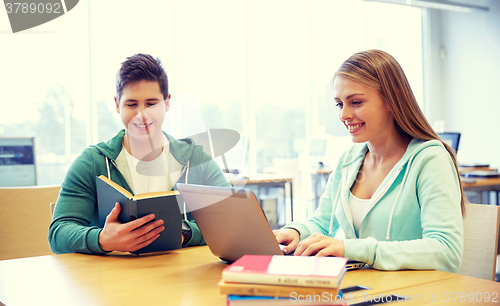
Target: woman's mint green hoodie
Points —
{"points": [[414, 220], [75, 223]]}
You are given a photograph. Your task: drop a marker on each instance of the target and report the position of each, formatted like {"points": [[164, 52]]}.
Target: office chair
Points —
{"points": [[480, 241], [52, 206]]}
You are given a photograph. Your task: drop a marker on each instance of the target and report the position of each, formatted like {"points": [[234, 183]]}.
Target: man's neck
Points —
{"points": [[144, 150]]}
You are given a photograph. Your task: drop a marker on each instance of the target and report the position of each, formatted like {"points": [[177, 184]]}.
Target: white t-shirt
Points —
{"points": [[358, 209], [149, 176]]}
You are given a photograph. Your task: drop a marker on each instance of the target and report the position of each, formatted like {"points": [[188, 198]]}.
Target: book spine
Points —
{"points": [[263, 290], [132, 210], [276, 279]]}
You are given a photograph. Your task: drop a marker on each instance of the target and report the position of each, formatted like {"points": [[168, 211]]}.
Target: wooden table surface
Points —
{"points": [[182, 277], [462, 290], [471, 169], [260, 178], [482, 182]]}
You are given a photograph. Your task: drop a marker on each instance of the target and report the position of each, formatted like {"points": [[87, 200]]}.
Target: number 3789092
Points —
{"points": [[471, 297], [33, 8]]}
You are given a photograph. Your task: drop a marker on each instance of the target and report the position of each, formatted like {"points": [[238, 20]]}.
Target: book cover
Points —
{"points": [[273, 290], [295, 300], [164, 205], [309, 271]]}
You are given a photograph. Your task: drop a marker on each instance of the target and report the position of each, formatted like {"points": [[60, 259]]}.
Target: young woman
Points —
{"points": [[396, 193]]}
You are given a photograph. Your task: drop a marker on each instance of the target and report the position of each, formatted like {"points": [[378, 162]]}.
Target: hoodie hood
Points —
{"points": [[357, 152], [352, 161], [181, 149]]}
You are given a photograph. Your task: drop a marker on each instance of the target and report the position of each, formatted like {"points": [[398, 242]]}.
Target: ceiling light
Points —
{"points": [[437, 4]]}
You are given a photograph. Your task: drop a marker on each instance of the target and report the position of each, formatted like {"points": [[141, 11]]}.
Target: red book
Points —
{"points": [[308, 271]]}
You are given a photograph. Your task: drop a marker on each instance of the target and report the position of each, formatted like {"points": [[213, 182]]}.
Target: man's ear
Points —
{"points": [[167, 103], [117, 105]]}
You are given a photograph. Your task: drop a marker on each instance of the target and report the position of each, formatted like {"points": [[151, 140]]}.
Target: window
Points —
{"points": [[259, 67], [336, 35], [45, 82]]}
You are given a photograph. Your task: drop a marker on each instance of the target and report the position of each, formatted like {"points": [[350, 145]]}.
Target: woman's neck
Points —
{"points": [[389, 149]]}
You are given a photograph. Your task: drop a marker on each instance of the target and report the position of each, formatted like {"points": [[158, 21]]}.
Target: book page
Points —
{"points": [[154, 194], [116, 186]]}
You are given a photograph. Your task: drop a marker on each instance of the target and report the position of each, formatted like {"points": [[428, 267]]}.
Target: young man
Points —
{"points": [[141, 158]]}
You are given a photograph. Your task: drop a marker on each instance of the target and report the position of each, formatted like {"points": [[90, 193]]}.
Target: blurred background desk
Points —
{"points": [[476, 187], [480, 185], [261, 184], [471, 169], [319, 179]]}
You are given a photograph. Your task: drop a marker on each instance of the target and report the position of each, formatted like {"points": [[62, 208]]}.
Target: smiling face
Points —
{"points": [[142, 109], [363, 111]]}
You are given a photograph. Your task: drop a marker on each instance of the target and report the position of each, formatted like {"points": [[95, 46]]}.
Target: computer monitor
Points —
{"points": [[317, 147], [17, 162], [451, 138]]}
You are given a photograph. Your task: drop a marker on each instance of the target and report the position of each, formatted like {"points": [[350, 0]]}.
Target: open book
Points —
{"points": [[164, 205]]}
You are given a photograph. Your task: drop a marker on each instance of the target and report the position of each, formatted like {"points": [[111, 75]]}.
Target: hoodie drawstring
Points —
{"points": [[342, 180], [397, 198], [185, 182], [107, 167]]}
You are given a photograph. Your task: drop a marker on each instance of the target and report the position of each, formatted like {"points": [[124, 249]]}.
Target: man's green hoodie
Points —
{"points": [[75, 223]]}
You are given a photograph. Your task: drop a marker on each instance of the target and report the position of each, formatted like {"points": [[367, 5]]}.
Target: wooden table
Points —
{"points": [[182, 277], [480, 185], [462, 290], [471, 169], [483, 184]]}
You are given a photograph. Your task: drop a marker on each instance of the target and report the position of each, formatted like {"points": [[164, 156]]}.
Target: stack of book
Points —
{"points": [[283, 280]]}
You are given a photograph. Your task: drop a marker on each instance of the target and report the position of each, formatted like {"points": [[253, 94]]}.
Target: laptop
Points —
{"points": [[232, 222]]}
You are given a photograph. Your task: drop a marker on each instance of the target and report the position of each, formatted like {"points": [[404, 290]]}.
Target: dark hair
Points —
{"points": [[140, 67]]}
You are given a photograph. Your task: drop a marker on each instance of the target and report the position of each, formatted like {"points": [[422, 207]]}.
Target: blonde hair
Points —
{"points": [[379, 70]]}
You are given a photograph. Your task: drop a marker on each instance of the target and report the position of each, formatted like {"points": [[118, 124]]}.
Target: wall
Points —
{"points": [[470, 80], [432, 70]]}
